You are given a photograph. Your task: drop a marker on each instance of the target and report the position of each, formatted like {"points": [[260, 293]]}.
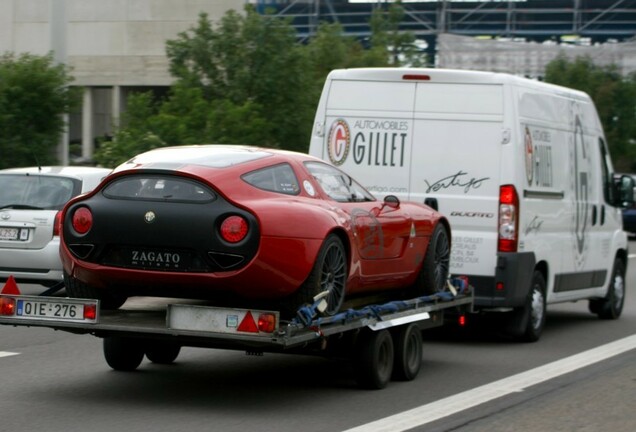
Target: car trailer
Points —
{"points": [[383, 340]]}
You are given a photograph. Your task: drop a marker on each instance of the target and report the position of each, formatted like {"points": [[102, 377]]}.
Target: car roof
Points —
{"points": [[77, 171], [208, 155]]}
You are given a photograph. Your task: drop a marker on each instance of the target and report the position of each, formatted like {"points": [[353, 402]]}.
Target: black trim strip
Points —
{"points": [[581, 280], [544, 195]]}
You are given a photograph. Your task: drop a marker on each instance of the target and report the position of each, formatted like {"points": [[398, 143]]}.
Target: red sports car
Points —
{"points": [[245, 223]]}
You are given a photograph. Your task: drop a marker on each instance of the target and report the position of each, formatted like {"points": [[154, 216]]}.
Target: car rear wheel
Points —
{"points": [[328, 275], [78, 289], [433, 275]]}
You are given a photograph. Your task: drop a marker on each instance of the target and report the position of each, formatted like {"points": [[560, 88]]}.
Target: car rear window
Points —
{"points": [[33, 191], [158, 188], [278, 178]]}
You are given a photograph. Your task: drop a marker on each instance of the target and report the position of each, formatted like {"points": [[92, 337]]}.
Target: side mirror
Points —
{"points": [[392, 201], [626, 187]]}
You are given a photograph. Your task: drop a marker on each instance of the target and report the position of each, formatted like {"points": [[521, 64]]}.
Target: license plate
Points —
{"points": [[9, 233], [50, 310]]}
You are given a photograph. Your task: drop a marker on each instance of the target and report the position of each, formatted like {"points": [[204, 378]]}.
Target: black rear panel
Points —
{"points": [[169, 232]]}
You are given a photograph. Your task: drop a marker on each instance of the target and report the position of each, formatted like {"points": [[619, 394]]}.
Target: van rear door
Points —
{"points": [[458, 140]]}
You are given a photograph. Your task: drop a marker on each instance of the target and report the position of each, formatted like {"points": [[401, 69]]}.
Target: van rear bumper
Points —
{"points": [[513, 275]]}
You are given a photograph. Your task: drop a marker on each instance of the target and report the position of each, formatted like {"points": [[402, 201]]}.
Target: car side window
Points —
{"points": [[338, 185], [277, 178]]}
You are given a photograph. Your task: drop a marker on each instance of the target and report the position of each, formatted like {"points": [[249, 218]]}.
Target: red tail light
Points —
{"points": [[57, 224], [234, 229], [7, 306], [82, 220], [508, 219], [267, 322]]}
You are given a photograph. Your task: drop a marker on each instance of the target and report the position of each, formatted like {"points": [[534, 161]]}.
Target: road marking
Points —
{"points": [[453, 404], [7, 354]]}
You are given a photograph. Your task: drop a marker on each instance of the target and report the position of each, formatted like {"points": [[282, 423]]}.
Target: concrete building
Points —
{"points": [[114, 47]]}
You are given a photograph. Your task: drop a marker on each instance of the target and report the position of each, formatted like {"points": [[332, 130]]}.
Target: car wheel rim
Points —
{"points": [[538, 308], [333, 277], [619, 291], [442, 259]]}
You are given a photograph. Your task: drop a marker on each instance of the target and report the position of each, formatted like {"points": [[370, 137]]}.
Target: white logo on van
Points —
{"points": [[339, 142]]}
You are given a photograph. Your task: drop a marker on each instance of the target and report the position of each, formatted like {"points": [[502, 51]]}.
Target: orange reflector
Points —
{"points": [[90, 312], [499, 286], [248, 324], [7, 306], [10, 287], [462, 320], [267, 322]]}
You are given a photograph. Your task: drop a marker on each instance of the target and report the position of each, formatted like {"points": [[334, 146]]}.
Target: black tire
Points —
{"points": [[328, 274], [162, 353], [373, 359], [611, 306], [433, 275], [123, 354], [527, 322], [77, 289], [407, 340]]}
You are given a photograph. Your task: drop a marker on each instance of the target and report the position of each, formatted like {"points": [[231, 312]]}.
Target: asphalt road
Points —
{"points": [[57, 381]]}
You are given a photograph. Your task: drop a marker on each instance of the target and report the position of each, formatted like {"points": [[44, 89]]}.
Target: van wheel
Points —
{"points": [[77, 289], [611, 306], [527, 322], [433, 275]]}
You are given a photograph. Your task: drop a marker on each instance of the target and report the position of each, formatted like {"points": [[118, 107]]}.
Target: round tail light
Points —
{"points": [[234, 229], [82, 220]]}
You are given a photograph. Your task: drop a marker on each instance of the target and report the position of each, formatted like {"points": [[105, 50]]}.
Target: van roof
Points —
{"points": [[447, 76]]}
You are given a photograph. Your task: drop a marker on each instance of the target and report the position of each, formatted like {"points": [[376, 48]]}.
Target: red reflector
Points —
{"points": [[90, 312], [7, 306], [248, 324], [499, 286], [267, 322], [10, 287], [234, 229], [419, 77], [82, 220], [462, 320]]}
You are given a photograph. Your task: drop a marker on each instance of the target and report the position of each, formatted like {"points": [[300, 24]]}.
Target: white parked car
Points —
{"points": [[30, 200]]}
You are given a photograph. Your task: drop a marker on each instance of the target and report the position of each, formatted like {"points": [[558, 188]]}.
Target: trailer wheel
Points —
{"points": [[611, 306], [77, 289], [373, 359], [123, 354], [408, 352], [434, 272], [162, 353]]}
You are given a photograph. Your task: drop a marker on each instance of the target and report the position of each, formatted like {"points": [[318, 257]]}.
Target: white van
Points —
{"points": [[519, 167]]}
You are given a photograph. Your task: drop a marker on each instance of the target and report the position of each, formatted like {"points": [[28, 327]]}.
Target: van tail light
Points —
{"points": [[508, 219], [82, 220], [57, 224], [234, 229]]}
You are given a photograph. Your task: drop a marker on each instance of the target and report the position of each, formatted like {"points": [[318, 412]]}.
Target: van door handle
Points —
{"points": [[594, 215], [432, 203]]}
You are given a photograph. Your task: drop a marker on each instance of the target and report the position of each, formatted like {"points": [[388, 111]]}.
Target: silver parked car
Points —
{"points": [[30, 200]]}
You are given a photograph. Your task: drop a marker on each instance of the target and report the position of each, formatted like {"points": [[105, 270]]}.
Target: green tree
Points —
{"points": [[34, 93], [614, 97]]}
